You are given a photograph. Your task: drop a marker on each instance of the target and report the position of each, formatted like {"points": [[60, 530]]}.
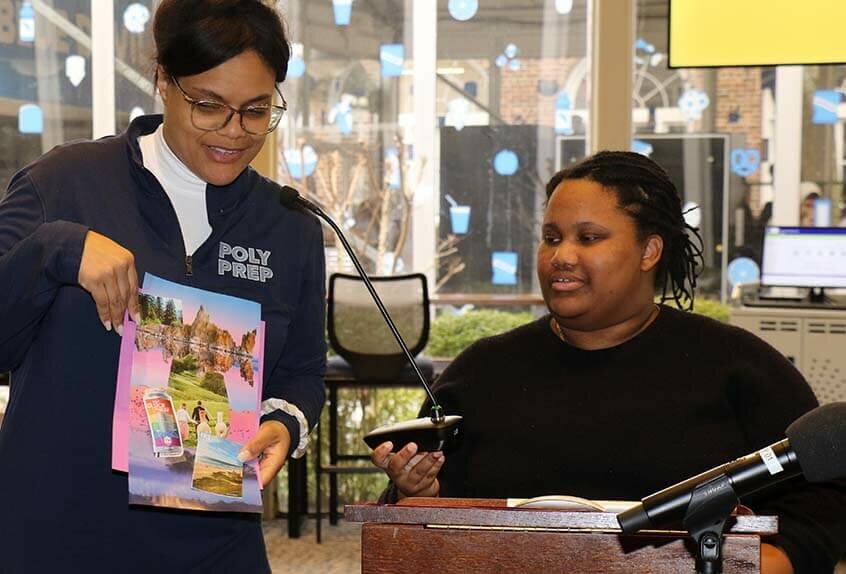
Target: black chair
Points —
{"points": [[368, 357]]}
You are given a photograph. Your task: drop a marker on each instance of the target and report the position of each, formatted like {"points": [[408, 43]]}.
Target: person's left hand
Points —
{"points": [[271, 442]]}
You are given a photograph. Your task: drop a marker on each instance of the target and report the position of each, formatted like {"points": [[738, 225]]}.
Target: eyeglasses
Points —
{"points": [[209, 115]]}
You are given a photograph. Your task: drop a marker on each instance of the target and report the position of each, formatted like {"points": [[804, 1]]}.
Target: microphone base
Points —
{"points": [[711, 504], [427, 435]]}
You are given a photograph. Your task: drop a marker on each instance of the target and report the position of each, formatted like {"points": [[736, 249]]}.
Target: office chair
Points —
{"points": [[368, 356]]}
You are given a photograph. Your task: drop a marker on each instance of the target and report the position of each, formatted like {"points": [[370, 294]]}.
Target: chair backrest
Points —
{"points": [[357, 331]]}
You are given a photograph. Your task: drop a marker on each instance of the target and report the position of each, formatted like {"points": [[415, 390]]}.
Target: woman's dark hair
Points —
{"points": [[645, 192], [193, 36]]}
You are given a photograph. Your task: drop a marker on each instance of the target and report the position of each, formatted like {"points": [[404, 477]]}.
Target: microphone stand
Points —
{"points": [[815, 448], [292, 197], [711, 504]]}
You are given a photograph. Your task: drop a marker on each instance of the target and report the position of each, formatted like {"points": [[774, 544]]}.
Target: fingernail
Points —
{"points": [[119, 329], [107, 325], [244, 456], [411, 448], [438, 455]]}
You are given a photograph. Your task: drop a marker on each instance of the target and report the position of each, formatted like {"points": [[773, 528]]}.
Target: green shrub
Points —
{"points": [[710, 308], [188, 363], [451, 334], [214, 382], [707, 307]]}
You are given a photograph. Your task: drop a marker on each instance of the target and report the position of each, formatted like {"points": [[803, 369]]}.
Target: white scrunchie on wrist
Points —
{"points": [[274, 404]]}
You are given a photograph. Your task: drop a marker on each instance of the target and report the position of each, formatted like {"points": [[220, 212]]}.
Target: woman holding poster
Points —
{"points": [[173, 196]]}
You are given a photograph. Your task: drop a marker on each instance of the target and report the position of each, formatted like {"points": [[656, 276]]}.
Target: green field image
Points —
{"points": [[185, 385]]}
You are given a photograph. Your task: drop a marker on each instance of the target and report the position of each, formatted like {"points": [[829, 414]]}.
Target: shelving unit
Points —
{"points": [[812, 339]]}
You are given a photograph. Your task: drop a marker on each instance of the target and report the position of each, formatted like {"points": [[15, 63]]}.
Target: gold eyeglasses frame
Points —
{"points": [[276, 112]]}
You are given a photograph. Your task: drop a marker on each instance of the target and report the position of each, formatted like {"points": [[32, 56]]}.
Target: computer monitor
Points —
{"points": [[813, 257]]}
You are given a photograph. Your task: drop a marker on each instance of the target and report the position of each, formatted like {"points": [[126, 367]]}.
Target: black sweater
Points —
{"points": [[687, 394]]}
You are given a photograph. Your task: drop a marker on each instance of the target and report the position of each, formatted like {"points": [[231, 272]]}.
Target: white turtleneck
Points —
{"points": [[186, 191]]}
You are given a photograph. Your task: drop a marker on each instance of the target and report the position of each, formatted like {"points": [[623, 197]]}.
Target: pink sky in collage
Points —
{"points": [[150, 368], [242, 395]]}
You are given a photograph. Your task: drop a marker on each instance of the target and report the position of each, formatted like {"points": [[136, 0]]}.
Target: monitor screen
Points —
{"points": [[804, 257]]}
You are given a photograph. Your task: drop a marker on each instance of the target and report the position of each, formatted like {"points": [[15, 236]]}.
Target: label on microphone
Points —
{"points": [[770, 460]]}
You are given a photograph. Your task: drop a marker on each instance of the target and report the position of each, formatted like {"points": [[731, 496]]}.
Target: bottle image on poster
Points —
{"points": [[164, 429]]}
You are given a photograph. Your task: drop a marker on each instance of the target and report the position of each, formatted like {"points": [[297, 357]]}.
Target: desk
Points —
{"points": [[471, 535], [343, 379]]}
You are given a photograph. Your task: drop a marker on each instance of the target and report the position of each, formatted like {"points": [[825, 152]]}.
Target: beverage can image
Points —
{"points": [[164, 429]]}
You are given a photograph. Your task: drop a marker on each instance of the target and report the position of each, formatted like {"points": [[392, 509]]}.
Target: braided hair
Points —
{"points": [[644, 191]]}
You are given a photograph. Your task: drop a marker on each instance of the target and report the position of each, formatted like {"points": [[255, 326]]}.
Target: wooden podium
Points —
{"points": [[477, 535]]}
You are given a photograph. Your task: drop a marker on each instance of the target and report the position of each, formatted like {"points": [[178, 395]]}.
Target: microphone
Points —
{"points": [[433, 433], [815, 447]]}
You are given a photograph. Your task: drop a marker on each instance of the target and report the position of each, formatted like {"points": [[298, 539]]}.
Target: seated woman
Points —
{"points": [[611, 396]]}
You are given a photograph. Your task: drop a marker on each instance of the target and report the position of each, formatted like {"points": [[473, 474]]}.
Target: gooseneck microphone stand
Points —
{"points": [[291, 197]]}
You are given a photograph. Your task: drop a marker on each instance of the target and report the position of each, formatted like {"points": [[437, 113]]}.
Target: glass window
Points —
{"points": [[45, 80], [510, 85], [823, 160], [134, 64], [511, 98], [347, 139], [712, 129]]}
